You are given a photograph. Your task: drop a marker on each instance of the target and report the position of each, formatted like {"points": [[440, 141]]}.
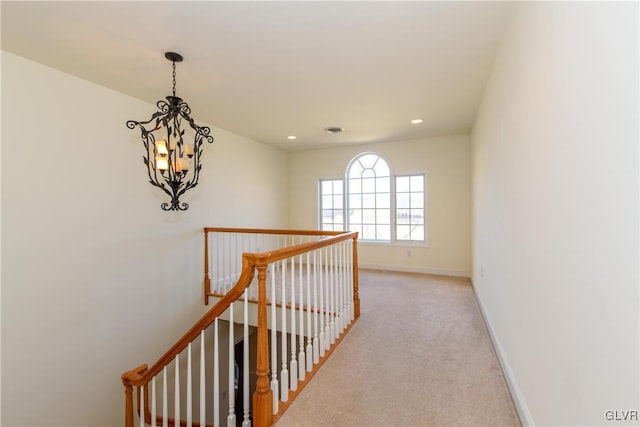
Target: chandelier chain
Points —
{"points": [[174, 78]]}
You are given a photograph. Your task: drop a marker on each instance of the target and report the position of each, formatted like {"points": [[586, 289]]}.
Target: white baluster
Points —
{"points": [[333, 294], [293, 365], [216, 375], [176, 394], [215, 260], [154, 408], [301, 355], [189, 390], [340, 288], [141, 406], [323, 337], [350, 280], [316, 343], [347, 316], [274, 340], [203, 388], [165, 405], [231, 417], [236, 256], [284, 372], [225, 260], [329, 313], [347, 280], [343, 288], [245, 364], [309, 349]]}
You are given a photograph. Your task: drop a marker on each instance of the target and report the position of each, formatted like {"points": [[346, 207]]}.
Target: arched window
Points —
{"points": [[381, 206], [369, 197]]}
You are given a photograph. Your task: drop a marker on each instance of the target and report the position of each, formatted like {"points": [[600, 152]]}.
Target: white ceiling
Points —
{"points": [[270, 69]]}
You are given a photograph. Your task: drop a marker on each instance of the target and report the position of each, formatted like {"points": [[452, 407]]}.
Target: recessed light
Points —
{"points": [[292, 137], [417, 121]]}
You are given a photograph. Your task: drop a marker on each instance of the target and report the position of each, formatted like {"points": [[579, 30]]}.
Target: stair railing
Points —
{"points": [[311, 284]]}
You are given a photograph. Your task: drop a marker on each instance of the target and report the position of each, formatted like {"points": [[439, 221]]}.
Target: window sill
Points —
{"points": [[395, 244]]}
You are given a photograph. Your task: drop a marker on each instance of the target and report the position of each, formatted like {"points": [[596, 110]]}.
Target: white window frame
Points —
{"points": [[321, 206], [422, 175], [393, 210], [376, 223]]}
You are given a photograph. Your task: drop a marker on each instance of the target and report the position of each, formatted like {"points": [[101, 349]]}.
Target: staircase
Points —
{"points": [[282, 301]]}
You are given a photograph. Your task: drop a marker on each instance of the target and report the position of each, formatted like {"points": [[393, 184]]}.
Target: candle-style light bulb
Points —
{"points": [[185, 163], [162, 163], [161, 147], [188, 150]]}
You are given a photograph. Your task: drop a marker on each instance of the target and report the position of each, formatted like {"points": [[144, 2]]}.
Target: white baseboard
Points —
{"points": [[409, 269], [518, 400]]}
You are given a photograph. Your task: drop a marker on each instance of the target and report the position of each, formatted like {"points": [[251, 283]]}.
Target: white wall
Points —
{"points": [[445, 160], [96, 278], [555, 210]]}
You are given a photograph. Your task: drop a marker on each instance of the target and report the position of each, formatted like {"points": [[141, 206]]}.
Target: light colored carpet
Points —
{"points": [[419, 355]]}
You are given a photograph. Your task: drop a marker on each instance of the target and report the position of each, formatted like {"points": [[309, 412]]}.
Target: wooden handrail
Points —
{"points": [[272, 231], [136, 378], [141, 375], [301, 248]]}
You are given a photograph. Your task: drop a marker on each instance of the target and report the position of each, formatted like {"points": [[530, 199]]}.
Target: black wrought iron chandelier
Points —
{"points": [[173, 162]]}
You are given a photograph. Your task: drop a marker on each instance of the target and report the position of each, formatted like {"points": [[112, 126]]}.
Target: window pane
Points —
{"points": [[402, 184], [337, 202], [417, 183], [383, 216], [355, 186], [355, 216], [383, 185], [383, 201], [417, 233], [381, 168], [356, 227], [368, 160], [369, 201], [355, 201], [369, 185], [326, 187], [369, 232], [326, 202], [369, 216], [402, 201], [403, 232], [417, 216], [355, 170], [417, 200], [403, 216], [383, 232]]}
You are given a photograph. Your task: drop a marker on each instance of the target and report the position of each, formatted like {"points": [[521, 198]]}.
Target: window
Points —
{"points": [[369, 197], [331, 205], [371, 200], [410, 208]]}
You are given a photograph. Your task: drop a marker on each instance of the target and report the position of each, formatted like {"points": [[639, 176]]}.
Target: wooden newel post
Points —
{"points": [[356, 295], [127, 379], [262, 397], [128, 405]]}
